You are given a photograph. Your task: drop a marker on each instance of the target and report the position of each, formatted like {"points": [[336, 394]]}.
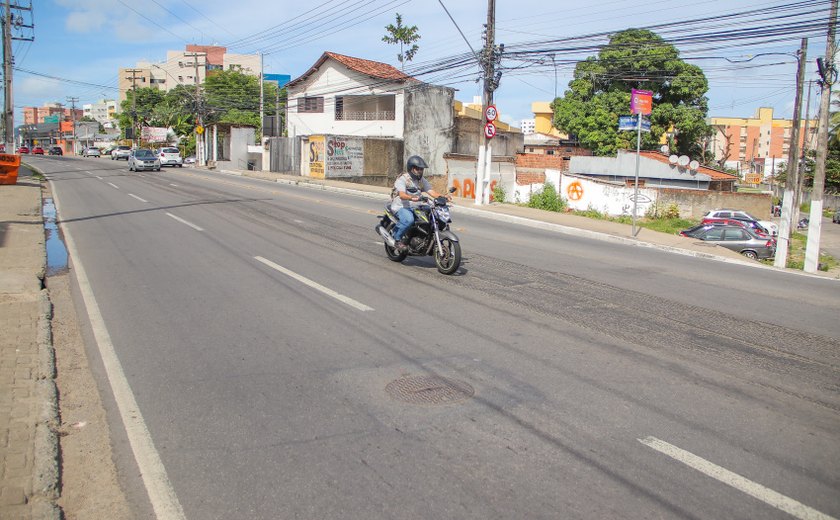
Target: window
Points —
{"points": [[339, 108], [735, 234], [716, 233], [311, 104]]}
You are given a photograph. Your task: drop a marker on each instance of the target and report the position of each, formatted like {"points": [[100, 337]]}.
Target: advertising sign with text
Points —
{"points": [[345, 157]]}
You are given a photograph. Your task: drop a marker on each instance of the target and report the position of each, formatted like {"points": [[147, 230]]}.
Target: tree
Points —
{"points": [[404, 36], [143, 111], [600, 92]]}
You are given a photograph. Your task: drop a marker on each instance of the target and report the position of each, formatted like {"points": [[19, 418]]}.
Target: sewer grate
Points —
{"points": [[429, 390]]}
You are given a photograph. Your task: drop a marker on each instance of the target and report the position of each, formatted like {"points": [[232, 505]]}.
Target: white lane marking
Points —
{"points": [[175, 185], [315, 285], [98, 177], [138, 198], [298, 221], [159, 488], [114, 185], [766, 495], [182, 221]]}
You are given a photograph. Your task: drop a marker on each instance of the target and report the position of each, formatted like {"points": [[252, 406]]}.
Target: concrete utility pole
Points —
{"points": [[828, 74], [9, 21], [134, 137], [73, 101], [803, 153], [485, 153], [786, 224], [199, 145], [262, 100]]}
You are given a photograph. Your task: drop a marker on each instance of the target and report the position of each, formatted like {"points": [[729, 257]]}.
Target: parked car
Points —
{"points": [[170, 157], [737, 239], [38, 150], [91, 152], [752, 225], [836, 217], [120, 152], [143, 159], [190, 160], [23, 149], [56, 150], [742, 215]]}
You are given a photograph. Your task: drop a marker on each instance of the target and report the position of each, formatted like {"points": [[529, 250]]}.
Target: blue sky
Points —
{"points": [[81, 44]]}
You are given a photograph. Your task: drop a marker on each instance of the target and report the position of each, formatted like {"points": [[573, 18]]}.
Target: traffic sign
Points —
{"points": [[491, 113], [489, 130], [199, 129]]}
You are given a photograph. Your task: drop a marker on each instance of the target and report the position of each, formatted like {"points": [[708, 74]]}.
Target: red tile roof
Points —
{"points": [[717, 175], [370, 68]]}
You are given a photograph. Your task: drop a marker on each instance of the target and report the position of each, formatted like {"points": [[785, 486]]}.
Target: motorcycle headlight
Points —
{"points": [[443, 213]]}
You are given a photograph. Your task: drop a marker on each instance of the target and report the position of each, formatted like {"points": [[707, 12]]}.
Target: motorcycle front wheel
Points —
{"points": [[448, 256], [393, 255]]}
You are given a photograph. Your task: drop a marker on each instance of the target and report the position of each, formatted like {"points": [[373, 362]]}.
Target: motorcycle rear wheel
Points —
{"points": [[449, 260]]}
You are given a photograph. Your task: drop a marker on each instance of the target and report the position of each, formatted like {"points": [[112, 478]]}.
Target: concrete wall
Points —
{"points": [[583, 193], [284, 155], [380, 163], [428, 125], [469, 136], [461, 174]]}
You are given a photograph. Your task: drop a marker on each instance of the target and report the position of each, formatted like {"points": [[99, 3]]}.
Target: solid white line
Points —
{"points": [[114, 185], [173, 184], [182, 221], [98, 177], [138, 198], [767, 495], [161, 493], [315, 285]]}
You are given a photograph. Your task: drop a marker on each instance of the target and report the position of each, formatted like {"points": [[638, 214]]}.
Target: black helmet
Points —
{"points": [[415, 161]]}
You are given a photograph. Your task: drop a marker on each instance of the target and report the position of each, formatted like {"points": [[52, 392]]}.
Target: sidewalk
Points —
{"points": [[28, 400]]}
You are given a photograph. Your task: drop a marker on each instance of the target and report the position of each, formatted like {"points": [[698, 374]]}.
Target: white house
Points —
{"points": [[348, 96]]}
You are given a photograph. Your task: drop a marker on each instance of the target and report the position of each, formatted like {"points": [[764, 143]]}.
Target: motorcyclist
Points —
{"points": [[408, 188]]}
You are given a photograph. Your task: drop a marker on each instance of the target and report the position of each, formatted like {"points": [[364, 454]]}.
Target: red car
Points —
{"points": [[23, 149], [38, 150]]}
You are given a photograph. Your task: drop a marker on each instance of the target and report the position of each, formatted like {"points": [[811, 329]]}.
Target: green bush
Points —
{"points": [[547, 199], [499, 193]]}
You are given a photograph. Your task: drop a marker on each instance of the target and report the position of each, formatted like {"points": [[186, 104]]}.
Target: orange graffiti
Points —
{"points": [[575, 191]]}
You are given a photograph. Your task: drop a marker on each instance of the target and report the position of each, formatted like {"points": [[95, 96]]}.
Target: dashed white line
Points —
{"points": [[138, 198], [175, 185], [315, 285], [98, 177], [766, 495], [298, 221], [114, 185], [182, 221]]}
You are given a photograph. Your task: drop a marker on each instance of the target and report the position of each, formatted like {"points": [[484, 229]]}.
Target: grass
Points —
{"points": [[796, 255]]}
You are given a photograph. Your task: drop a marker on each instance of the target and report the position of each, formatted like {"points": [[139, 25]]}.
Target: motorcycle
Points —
{"points": [[428, 236]]}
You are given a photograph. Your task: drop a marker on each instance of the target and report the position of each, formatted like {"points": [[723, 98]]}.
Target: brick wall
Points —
{"points": [[531, 160], [526, 177]]}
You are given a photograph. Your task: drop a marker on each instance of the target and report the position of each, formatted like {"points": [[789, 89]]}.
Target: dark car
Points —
{"points": [[737, 239], [56, 150], [38, 150], [836, 217]]}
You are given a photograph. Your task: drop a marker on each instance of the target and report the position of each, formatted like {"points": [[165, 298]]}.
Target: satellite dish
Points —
{"points": [[694, 165], [664, 148], [673, 159], [683, 160]]}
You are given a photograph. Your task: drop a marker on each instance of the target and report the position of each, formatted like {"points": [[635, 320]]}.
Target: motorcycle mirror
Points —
{"points": [[453, 189]]}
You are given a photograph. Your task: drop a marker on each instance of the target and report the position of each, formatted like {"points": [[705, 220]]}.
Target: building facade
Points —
{"points": [[758, 144], [104, 111], [544, 119], [188, 67], [50, 113]]}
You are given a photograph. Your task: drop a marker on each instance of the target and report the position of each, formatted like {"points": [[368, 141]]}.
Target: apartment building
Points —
{"points": [[188, 67], [103, 111], [758, 144], [50, 113]]}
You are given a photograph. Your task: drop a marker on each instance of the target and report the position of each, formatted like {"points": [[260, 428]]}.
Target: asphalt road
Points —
{"points": [[268, 348]]}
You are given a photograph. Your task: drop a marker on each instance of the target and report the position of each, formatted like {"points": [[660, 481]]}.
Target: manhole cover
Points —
{"points": [[429, 390]]}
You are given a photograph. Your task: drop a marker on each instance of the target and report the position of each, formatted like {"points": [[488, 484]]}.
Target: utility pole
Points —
{"points": [[199, 128], [262, 101], [491, 82], [73, 101], [133, 78], [800, 186], [9, 22], [789, 200], [828, 75]]}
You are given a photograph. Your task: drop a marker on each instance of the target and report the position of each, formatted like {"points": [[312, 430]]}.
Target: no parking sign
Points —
{"points": [[489, 130]]}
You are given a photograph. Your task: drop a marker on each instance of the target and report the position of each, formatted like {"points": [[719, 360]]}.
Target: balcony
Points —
{"points": [[384, 115]]}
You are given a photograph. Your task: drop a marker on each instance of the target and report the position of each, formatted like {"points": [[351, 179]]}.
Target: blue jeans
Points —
{"points": [[406, 220]]}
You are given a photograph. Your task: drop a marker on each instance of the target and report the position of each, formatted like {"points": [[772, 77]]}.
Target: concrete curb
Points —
{"points": [[46, 479]]}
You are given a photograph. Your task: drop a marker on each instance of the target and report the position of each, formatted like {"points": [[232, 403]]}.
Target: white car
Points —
{"points": [[743, 215], [91, 152], [170, 157], [120, 152]]}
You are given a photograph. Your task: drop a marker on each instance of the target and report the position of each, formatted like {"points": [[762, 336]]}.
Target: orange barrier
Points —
{"points": [[9, 165]]}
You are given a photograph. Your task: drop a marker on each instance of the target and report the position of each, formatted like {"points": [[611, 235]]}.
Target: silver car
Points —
{"points": [[170, 157], [737, 239], [120, 152], [91, 152], [143, 159]]}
